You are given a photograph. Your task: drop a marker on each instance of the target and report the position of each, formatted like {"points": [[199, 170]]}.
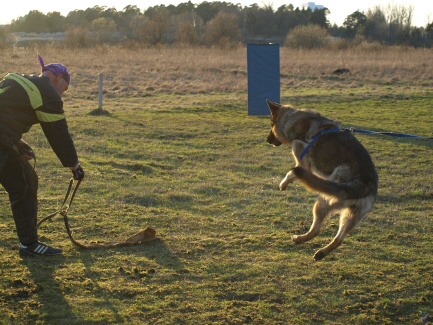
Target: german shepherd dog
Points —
{"points": [[330, 161]]}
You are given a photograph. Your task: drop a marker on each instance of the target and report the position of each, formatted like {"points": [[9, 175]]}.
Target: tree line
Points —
{"points": [[224, 23]]}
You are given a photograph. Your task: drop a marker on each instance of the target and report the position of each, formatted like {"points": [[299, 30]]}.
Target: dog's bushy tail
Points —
{"points": [[349, 190]]}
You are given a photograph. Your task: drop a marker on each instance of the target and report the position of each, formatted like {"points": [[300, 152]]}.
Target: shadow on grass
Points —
{"points": [[155, 250], [405, 198], [99, 112], [51, 292], [53, 305]]}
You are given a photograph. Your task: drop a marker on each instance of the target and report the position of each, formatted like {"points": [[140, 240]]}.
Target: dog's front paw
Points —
{"points": [[298, 239], [283, 185], [290, 178], [319, 255]]}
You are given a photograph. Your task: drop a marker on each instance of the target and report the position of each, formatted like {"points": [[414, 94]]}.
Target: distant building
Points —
{"points": [[312, 6]]}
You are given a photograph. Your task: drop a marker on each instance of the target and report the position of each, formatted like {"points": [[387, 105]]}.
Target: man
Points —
{"points": [[26, 100]]}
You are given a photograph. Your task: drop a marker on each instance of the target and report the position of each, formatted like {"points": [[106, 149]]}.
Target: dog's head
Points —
{"points": [[289, 123], [275, 137]]}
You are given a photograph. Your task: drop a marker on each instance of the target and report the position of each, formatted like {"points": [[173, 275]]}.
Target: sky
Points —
{"points": [[340, 9]]}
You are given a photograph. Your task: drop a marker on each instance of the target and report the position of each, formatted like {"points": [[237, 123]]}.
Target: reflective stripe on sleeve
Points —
{"points": [[49, 117]]}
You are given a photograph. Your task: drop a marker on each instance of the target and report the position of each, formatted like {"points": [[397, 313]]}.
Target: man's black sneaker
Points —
{"points": [[38, 249]]}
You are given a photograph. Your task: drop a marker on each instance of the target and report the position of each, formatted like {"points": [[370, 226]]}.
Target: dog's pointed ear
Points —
{"points": [[274, 107]]}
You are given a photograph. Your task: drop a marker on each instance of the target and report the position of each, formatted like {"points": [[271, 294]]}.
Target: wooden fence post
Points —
{"points": [[100, 92]]}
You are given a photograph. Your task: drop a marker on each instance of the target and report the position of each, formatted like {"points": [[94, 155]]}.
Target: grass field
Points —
{"points": [[176, 151]]}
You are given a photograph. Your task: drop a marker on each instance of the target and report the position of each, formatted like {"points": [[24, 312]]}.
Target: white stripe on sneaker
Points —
{"points": [[41, 249]]}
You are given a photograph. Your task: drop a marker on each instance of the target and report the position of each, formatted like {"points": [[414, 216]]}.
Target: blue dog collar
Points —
{"points": [[315, 138]]}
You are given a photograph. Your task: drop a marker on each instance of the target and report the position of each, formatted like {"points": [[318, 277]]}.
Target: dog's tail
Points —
{"points": [[349, 190]]}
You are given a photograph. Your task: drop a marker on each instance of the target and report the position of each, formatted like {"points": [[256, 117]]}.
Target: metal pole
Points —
{"points": [[100, 92]]}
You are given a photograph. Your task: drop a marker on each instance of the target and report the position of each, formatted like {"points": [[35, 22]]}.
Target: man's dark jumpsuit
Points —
{"points": [[25, 101]]}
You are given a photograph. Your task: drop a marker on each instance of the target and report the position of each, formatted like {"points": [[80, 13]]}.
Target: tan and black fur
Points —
{"points": [[336, 166]]}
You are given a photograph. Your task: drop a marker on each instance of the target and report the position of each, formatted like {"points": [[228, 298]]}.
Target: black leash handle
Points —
{"points": [[64, 211]]}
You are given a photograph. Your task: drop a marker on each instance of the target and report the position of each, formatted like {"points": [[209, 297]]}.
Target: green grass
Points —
{"points": [[198, 170]]}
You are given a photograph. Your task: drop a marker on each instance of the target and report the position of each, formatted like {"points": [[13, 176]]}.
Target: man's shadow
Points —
{"points": [[51, 293], [54, 307]]}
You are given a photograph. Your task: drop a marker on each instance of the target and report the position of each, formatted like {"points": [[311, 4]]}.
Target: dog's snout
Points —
{"points": [[273, 140]]}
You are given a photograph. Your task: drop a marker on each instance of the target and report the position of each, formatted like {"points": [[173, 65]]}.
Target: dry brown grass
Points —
{"points": [[130, 72]]}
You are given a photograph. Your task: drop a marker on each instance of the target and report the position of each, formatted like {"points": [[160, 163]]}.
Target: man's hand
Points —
{"points": [[77, 171], [25, 151]]}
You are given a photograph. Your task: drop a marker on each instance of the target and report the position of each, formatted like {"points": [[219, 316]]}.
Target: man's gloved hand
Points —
{"points": [[78, 172]]}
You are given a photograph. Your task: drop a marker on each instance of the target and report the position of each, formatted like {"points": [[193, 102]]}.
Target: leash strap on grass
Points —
{"points": [[140, 237]]}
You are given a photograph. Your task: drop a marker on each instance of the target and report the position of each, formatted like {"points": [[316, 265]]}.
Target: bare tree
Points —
{"points": [[223, 30], [138, 28], [376, 26], [103, 29], [189, 28], [186, 34], [307, 37], [399, 15], [157, 25]]}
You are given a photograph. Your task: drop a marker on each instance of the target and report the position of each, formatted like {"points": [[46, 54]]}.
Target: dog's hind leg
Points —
{"points": [[321, 210], [350, 217]]}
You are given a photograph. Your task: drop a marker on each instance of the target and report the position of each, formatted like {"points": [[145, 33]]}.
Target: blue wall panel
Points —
{"points": [[263, 68]]}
